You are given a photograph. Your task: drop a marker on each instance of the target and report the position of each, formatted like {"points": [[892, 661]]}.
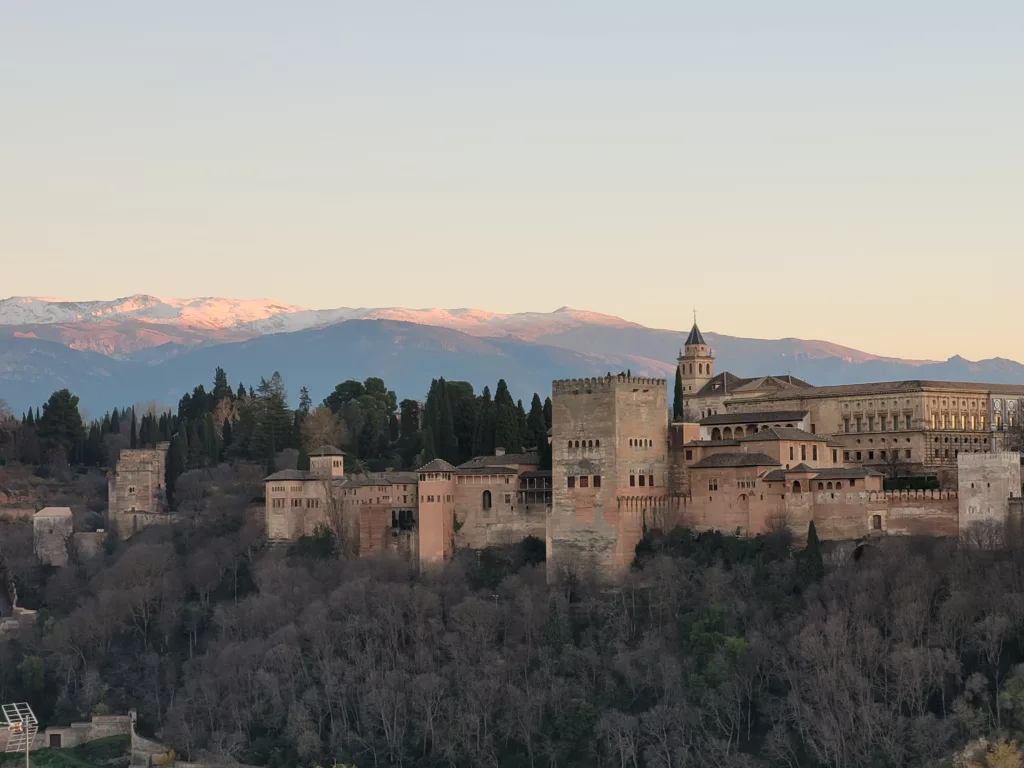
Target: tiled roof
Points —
{"points": [[775, 476], [695, 337], [838, 473], [327, 450], [722, 382], [506, 460], [383, 478], [536, 473], [289, 474], [710, 443], [802, 467], [783, 433], [437, 465], [485, 470], [735, 460], [754, 417]]}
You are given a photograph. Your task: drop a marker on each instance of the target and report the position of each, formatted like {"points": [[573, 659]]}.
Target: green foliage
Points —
{"points": [[321, 545], [60, 427], [913, 483]]}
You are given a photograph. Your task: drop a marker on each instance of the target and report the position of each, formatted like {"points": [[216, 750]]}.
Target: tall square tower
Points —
{"points": [[609, 445]]}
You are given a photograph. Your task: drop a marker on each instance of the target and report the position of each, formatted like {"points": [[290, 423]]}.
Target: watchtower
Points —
{"points": [[696, 363], [609, 445]]}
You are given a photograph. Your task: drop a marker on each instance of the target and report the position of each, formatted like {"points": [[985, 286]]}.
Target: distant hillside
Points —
{"points": [[157, 348]]}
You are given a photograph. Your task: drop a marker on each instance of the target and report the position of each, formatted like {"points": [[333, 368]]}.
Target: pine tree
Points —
{"points": [[60, 426], [221, 388], [211, 442], [502, 395], [240, 395], [305, 402], [547, 414], [811, 565], [535, 425], [677, 400], [135, 434], [29, 420]]}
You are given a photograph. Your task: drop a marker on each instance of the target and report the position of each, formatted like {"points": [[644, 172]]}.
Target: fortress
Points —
{"points": [[749, 455]]}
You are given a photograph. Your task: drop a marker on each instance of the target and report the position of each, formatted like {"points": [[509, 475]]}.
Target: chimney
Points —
{"points": [[498, 451]]}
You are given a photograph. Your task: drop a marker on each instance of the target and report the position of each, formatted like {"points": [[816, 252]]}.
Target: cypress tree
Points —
{"points": [[811, 566], [547, 414], [502, 395], [221, 388], [134, 436], [29, 420], [115, 422], [535, 425], [240, 395], [483, 439], [177, 456], [677, 400], [303, 462]]}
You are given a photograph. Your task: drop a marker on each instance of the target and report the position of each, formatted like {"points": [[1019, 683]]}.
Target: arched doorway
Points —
{"points": [[796, 486], [485, 500], [716, 434]]}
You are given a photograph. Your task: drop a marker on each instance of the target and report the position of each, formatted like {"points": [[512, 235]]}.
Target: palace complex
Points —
{"points": [[749, 455]]}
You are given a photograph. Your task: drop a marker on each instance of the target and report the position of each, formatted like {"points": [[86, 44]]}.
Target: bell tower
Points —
{"points": [[696, 363]]}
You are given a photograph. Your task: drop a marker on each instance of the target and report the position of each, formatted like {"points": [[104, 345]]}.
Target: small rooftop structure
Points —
{"points": [[327, 450], [437, 465]]}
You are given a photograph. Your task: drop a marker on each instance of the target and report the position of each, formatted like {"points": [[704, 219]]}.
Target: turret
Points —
{"points": [[696, 363]]}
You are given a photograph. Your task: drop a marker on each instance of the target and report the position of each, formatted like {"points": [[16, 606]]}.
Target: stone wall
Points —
{"points": [[613, 428], [505, 521], [88, 544], [986, 483], [52, 529], [136, 490]]}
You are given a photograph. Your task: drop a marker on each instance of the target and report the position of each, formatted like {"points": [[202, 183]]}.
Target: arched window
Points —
{"points": [[716, 434], [590, 444], [743, 497], [727, 433], [839, 486], [577, 443], [821, 486], [570, 443], [597, 443], [486, 500], [738, 432], [796, 486], [631, 442], [829, 486], [700, 367]]}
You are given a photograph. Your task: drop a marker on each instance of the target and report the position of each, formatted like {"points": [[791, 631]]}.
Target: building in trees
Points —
{"points": [[137, 490], [52, 529]]}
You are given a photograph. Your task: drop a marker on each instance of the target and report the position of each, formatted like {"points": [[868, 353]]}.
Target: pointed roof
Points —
{"points": [[695, 337], [437, 465]]}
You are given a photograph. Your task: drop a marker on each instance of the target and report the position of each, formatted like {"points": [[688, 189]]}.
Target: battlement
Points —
{"points": [[887, 497], [603, 384]]}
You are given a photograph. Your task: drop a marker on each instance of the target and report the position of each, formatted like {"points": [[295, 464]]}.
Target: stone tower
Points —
{"points": [[696, 364], [436, 524], [609, 445]]}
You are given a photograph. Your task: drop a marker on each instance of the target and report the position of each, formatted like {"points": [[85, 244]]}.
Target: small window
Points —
{"points": [[713, 485], [577, 443], [485, 500], [597, 443], [642, 481], [584, 481], [876, 522], [689, 455], [839, 486], [803, 453], [570, 443], [632, 480], [853, 483], [572, 481], [791, 453], [858, 455], [597, 481], [650, 481], [846, 455]]}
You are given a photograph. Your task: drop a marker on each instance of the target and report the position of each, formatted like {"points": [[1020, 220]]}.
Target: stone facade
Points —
{"points": [[987, 485], [137, 494], [52, 529], [609, 444]]}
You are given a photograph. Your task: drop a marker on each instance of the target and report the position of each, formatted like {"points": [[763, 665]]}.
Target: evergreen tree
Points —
{"points": [[196, 441], [94, 446], [464, 406], [547, 414], [60, 426], [506, 429], [211, 442], [437, 415], [135, 434], [811, 566], [483, 439], [115, 422], [521, 426], [29, 420], [240, 395], [393, 429], [221, 388], [305, 402], [225, 434], [502, 395], [677, 400], [37, 414], [303, 462]]}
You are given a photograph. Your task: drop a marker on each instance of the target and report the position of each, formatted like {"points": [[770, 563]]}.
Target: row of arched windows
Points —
{"points": [[700, 368], [640, 442], [584, 444]]}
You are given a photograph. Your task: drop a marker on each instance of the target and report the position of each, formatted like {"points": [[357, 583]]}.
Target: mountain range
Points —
{"points": [[143, 348]]}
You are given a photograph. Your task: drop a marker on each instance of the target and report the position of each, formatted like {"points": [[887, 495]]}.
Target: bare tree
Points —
{"points": [[321, 427]]}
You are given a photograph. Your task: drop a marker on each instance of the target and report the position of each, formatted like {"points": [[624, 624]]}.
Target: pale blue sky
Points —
{"points": [[850, 171]]}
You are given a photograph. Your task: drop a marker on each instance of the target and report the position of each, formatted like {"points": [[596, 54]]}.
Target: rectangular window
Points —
{"points": [[584, 481], [791, 453], [846, 455], [853, 483], [713, 485], [859, 424], [597, 481], [871, 423], [632, 480], [883, 420], [650, 481], [572, 481], [981, 423], [908, 453], [835, 456], [871, 455], [858, 455], [942, 421], [508, 498], [803, 453], [814, 453], [814, 429], [908, 421], [846, 425], [882, 455], [689, 455], [642, 478]]}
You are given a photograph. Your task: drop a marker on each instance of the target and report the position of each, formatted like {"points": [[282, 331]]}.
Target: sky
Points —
{"points": [[843, 171]]}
